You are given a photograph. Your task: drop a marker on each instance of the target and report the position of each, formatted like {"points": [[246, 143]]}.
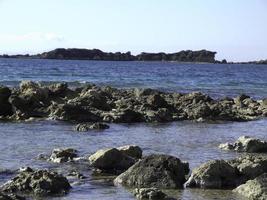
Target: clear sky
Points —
{"points": [[236, 29]]}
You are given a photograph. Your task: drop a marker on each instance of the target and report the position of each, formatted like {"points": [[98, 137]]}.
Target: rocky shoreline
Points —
{"points": [[92, 103]]}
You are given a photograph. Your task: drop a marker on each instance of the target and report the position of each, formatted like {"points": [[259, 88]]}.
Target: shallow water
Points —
{"points": [[20, 143], [193, 142]]}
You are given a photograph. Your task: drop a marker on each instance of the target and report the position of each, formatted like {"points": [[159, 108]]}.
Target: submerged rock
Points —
{"points": [[84, 127], [246, 144], [63, 155], [161, 171], [254, 189], [39, 182], [150, 194], [10, 197], [111, 160], [215, 174]]}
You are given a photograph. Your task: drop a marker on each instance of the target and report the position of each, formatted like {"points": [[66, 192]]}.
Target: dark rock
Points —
{"points": [[84, 127], [132, 151], [5, 106], [10, 197], [63, 155], [161, 171], [215, 174], [151, 194], [39, 182], [157, 101]]}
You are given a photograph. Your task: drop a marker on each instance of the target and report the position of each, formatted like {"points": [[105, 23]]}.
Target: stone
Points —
{"points": [[84, 127], [246, 144], [151, 194], [38, 182], [63, 155], [157, 101], [255, 189], [10, 197], [215, 174], [111, 160], [131, 150], [161, 171]]}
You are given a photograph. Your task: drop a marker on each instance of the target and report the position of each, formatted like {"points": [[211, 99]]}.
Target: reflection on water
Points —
{"points": [[196, 143]]}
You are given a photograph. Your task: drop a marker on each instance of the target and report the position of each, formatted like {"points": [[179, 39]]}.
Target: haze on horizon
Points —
{"points": [[235, 29]]}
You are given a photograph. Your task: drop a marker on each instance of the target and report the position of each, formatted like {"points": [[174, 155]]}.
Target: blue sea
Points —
{"points": [[20, 143]]}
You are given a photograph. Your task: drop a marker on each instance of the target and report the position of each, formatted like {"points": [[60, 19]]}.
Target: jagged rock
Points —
{"points": [[254, 189], [161, 115], [249, 166], [216, 174], [10, 197], [246, 144], [161, 171], [84, 127], [157, 101], [39, 182], [124, 116], [132, 151], [63, 155], [33, 90], [151, 194], [111, 160]]}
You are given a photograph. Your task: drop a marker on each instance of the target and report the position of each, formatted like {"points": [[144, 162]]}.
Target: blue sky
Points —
{"points": [[236, 29]]}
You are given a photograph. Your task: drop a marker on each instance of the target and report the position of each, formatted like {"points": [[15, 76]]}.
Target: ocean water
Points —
{"points": [[20, 143]]}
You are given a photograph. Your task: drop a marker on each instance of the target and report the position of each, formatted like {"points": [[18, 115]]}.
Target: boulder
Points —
{"points": [[131, 150], [39, 182], [157, 101], [255, 189], [161, 171], [161, 115], [34, 90], [84, 127], [246, 144], [63, 155], [5, 106], [124, 116], [215, 174], [111, 160], [150, 194]]}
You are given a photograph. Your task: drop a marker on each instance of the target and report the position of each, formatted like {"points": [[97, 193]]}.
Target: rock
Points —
{"points": [[34, 90], [249, 166], [111, 160], [84, 127], [124, 116], [131, 150], [139, 92], [39, 182], [255, 189], [161, 171], [5, 106], [63, 155], [157, 101], [246, 144], [150, 194], [215, 174], [161, 115], [10, 197]]}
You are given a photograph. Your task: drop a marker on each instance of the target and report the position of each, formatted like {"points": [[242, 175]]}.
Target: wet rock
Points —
{"points": [[124, 116], [39, 182], [161, 171], [76, 174], [254, 189], [58, 89], [63, 155], [5, 106], [111, 160], [10, 197], [131, 151], [215, 174], [249, 166], [246, 144], [151, 194], [157, 101], [84, 127], [161, 115]]}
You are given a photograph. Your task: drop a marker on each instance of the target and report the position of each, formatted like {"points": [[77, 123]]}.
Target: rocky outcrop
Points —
{"points": [[255, 189], [10, 197], [246, 144], [105, 104], [215, 174], [84, 127], [63, 155], [151, 194], [161, 171], [37, 182], [111, 161]]}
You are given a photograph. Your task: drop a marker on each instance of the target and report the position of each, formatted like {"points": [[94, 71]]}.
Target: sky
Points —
{"points": [[235, 29]]}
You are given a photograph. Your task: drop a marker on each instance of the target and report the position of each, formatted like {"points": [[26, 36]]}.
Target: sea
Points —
{"points": [[196, 143]]}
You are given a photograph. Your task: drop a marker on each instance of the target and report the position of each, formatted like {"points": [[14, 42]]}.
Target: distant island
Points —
{"points": [[201, 56]]}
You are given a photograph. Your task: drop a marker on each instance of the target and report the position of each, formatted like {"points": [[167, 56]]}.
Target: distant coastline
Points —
{"points": [[201, 56]]}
